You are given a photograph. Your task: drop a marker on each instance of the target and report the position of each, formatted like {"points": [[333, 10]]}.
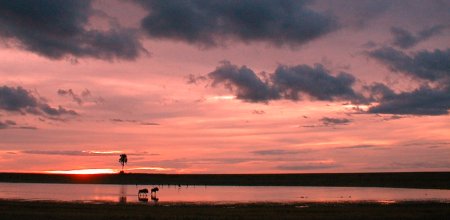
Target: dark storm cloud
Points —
{"points": [[247, 85], [22, 101], [16, 99], [316, 82], [287, 82], [211, 23], [356, 13], [57, 29], [431, 66], [379, 91], [335, 121], [421, 101], [427, 65], [405, 39]]}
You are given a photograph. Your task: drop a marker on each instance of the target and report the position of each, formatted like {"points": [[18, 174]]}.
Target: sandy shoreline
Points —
{"points": [[22, 209]]}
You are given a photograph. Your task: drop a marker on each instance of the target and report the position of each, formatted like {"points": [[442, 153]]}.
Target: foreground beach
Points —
{"points": [[17, 209]]}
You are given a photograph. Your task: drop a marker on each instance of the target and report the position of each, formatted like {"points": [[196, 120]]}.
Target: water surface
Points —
{"points": [[216, 194]]}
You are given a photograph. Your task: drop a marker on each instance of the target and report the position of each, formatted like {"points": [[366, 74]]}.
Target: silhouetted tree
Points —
{"points": [[123, 160]]}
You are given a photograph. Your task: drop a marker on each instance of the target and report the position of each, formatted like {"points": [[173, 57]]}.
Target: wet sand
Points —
{"points": [[36, 210], [425, 180]]}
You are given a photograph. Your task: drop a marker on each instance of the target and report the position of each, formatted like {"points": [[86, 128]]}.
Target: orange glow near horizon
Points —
{"points": [[83, 171], [106, 170]]}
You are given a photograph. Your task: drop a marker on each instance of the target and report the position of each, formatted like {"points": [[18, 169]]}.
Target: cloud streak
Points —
{"points": [[277, 152], [8, 124], [118, 120], [306, 166], [335, 121]]}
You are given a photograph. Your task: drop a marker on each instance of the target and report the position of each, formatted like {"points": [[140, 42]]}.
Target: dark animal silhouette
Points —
{"points": [[154, 190], [153, 194], [142, 193], [154, 198], [143, 199]]}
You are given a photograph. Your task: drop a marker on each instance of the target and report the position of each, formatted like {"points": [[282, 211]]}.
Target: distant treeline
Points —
{"points": [[431, 180]]}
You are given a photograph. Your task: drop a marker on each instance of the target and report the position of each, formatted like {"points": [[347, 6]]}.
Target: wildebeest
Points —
{"points": [[154, 198], [154, 190], [143, 192], [143, 199]]}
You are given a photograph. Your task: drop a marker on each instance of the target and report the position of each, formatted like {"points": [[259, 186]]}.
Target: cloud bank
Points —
{"points": [[430, 67], [422, 101], [317, 83], [57, 29], [211, 23], [287, 82]]}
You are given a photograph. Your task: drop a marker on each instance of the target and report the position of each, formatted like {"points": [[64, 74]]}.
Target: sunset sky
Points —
{"points": [[252, 86]]}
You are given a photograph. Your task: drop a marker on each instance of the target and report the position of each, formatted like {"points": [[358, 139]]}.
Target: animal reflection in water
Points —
{"points": [[142, 194], [123, 194]]}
